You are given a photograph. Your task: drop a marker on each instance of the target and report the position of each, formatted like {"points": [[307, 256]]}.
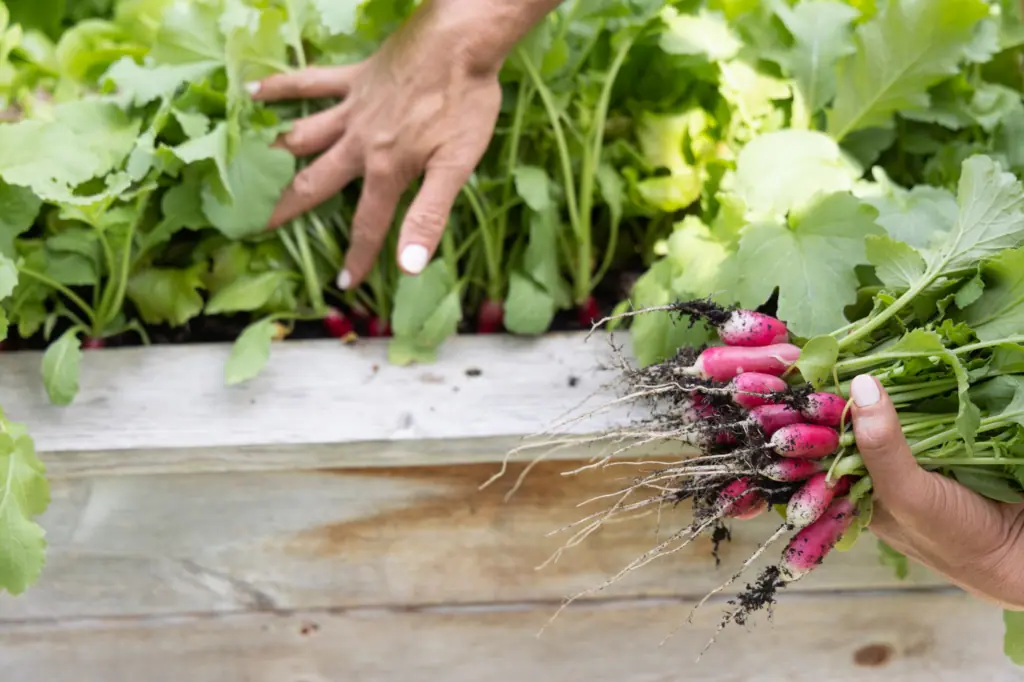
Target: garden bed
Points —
{"points": [[309, 524]]}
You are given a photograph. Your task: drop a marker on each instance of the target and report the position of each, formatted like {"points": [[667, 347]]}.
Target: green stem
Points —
{"points": [[970, 461], [309, 270], [57, 286], [114, 304], [875, 323], [492, 253]]}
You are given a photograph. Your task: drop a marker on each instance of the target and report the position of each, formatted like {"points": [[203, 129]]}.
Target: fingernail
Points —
{"points": [[252, 88], [344, 280], [864, 391], [414, 258]]}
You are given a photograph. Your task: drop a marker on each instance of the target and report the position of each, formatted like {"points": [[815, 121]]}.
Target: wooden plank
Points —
{"points": [[890, 638], [224, 542], [312, 392]]}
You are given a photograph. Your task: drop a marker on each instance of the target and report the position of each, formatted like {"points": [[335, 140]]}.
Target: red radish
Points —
{"points": [[736, 326], [805, 441], [378, 328], [722, 363], [92, 343], [756, 383], [739, 498], [808, 504], [791, 470], [746, 328], [755, 510], [359, 311], [588, 312], [771, 418], [490, 317], [337, 325], [811, 545], [825, 409]]}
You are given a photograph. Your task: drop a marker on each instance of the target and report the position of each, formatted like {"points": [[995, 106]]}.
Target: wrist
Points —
{"points": [[482, 33]]}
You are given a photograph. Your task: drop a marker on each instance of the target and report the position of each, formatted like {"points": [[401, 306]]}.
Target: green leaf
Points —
{"points": [[534, 186], [897, 264], [1013, 637], [20, 208], [529, 308], [671, 193], [890, 557], [814, 165], [811, 261], [817, 358], [657, 336], [166, 295], [705, 34], [999, 312], [242, 202], [905, 49], [921, 217], [247, 293], [427, 311], [60, 368], [990, 484], [822, 34], [339, 17], [24, 495], [250, 352], [212, 146], [140, 85]]}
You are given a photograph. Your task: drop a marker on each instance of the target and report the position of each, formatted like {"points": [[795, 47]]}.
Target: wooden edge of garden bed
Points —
{"points": [[345, 405]]}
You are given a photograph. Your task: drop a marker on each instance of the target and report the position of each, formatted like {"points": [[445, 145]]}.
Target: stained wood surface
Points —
{"points": [[853, 638], [411, 536]]}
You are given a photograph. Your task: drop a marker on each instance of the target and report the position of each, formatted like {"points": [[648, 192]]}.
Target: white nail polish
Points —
{"points": [[344, 280], [864, 391], [252, 88], [414, 258]]}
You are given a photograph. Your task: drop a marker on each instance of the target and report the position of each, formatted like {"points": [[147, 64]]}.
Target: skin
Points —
{"points": [[976, 543], [426, 103]]}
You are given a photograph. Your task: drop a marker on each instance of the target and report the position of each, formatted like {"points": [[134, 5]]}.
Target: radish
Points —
{"points": [[757, 383], [378, 328], [811, 545], [92, 343], [490, 317], [337, 325], [805, 441], [824, 409], [771, 418], [791, 470], [736, 326], [740, 498], [722, 363], [809, 502], [588, 312]]}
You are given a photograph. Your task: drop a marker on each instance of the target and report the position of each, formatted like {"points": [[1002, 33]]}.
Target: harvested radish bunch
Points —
{"points": [[764, 416]]}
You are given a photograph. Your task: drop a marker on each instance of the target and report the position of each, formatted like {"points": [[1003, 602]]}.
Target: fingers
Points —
{"points": [[325, 177], [315, 133], [311, 82], [897, 478], [370, 224], [427, 217]]}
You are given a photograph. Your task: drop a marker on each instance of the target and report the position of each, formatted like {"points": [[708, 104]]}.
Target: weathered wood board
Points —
{"points": [[197, 531]]}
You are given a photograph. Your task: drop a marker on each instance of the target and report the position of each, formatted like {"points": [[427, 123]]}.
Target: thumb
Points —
{"points": [[895, 474]]}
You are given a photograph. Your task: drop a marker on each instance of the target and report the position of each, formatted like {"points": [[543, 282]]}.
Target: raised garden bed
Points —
{"points": [[309, 525]]}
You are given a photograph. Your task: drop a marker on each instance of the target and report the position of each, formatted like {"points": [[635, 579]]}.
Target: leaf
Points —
{"points": [[427, 311], [657, 336], [999, 312], [60, 368], [247, 293], [814, 165], [250, 352], [534, 186], [24, 495], [1013, 637], [339, 17], [255, 176], [898, 265], [166, 295], [890, 557], [817, 358], [989, 484], [529, 308], [671, 193], [212, 146], [140, 85], [811, 261], [921, 217], [20, 208], [904, 50], [704, 34], [822, 34]]}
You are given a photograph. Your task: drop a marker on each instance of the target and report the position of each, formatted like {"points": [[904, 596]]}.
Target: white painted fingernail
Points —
{"points": [[344, 280], [864, 391], [414, 258], [252, 88]]}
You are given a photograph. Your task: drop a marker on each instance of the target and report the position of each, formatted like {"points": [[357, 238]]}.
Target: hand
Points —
{"points": [[973, 541], [417, 105]]}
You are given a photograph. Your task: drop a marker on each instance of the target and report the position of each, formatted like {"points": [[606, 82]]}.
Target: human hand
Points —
{"points": [[417, 106], [975, 542]]}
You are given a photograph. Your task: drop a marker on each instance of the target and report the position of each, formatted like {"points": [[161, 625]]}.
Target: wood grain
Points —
{"points": [[858, 638], [410, 536], [312, 392]]}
